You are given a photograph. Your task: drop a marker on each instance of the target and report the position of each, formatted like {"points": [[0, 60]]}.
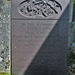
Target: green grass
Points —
{"points": [[70, 61], [5, 74], [71, 58]]}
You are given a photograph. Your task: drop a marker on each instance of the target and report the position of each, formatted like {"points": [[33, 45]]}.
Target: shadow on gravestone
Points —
{"points": [[51, 58]]}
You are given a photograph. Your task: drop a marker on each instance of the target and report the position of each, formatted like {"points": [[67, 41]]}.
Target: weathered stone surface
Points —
{"points": [[17, 15], [39, 44], [4, 37]]}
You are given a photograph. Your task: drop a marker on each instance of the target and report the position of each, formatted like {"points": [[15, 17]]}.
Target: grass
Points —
{"points": [[71, 58], [5, 74], [70, 62]]}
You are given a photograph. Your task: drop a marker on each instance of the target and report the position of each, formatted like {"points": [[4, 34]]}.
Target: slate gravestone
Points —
{"points": [[39, 37]]}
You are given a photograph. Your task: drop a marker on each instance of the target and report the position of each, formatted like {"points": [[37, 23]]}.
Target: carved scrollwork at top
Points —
{"points": [[44, 8]]}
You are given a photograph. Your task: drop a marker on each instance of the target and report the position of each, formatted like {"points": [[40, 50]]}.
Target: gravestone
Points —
{"points": [[39, 37]]}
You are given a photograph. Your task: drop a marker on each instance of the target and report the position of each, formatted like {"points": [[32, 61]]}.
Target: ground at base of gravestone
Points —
{"points": [[70, 63]]}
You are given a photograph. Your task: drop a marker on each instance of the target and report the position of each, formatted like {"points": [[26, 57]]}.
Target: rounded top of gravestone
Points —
{"points": [[42, 8]]}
